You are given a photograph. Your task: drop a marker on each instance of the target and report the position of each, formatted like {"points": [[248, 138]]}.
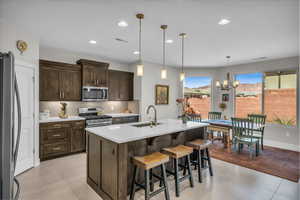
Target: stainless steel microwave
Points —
{"points": [[94, 93]]}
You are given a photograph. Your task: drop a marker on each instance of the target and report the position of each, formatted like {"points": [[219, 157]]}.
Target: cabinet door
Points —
{"points": [[126, 86], [109, 168], [113, 85], [88, 76], [101, 76], [77, 139], [49, 84], [70, 83]]}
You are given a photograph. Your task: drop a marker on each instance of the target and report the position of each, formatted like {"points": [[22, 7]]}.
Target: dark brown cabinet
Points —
{"points": [[59, 81], [94, 73], [120, 86], [61, 138]]}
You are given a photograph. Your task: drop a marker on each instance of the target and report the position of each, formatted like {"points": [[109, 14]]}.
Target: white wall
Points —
{"points": [[144, 90], [67, 56], [275, 135], [10, 32]]}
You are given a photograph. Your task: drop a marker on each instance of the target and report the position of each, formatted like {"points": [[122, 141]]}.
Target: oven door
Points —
{"points": [[94, 94]]}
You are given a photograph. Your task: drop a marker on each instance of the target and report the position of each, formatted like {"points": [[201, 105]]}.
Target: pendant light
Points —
{"points": [[163, 73], [140, 66], [182, 75]]}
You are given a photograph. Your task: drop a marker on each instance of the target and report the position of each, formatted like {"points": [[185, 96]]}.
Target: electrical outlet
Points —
{"points": [[288, 134]]}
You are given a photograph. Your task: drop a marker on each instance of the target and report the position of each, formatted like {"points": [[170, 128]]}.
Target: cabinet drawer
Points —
{"points": [[53, 125], [50, 135], [79, 124], [54, 149]]}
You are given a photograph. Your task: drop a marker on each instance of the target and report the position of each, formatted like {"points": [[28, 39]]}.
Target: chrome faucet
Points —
{"points": [[155, 113]]}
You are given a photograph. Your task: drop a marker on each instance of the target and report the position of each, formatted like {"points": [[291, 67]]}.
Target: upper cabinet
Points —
{"points": [[59, 81], [94, 73], [120, 86]]}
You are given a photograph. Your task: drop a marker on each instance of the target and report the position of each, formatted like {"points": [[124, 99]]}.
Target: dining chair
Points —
{"points": [[259, 121], [242, 132], [215, 116], [194, 117]]}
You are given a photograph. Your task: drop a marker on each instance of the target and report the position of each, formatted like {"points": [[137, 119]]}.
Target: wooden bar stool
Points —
{"points": [[201, 147], [147, 163], [176, 153]]}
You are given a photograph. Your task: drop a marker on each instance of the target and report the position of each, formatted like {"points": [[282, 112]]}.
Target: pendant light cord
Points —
{"points": [[182, 52], [140, 41], [164, 48]]}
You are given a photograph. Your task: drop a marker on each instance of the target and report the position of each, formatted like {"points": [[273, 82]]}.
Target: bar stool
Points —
{"points": [[200, 148], [147, 163], [176, 153]]}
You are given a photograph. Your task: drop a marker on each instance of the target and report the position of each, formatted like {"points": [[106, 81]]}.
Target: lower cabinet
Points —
{"points": [[61, 138]]}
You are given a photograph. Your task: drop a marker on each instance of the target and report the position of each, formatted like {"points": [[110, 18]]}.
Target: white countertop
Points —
{"points": [[57, 119], [122, 114], [123, 133]]}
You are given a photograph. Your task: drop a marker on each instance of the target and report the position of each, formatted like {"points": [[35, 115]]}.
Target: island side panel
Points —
{"points": [[107, 167]]}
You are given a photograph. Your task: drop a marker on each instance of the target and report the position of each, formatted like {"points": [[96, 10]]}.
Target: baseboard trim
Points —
{"points": [[282, 145]]}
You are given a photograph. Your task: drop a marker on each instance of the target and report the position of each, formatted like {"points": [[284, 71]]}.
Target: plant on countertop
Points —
{"points": [[186, 108]]}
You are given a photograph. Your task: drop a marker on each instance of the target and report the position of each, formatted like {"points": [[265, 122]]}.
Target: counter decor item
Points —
{"points": [[186, 109], [63, 111], [161, 94]]}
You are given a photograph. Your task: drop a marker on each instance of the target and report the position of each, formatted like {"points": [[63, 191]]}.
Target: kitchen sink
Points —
{"points": [[145, 124]]}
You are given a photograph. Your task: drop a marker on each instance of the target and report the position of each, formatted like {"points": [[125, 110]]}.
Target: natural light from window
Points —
{"points": [[198, 90]]}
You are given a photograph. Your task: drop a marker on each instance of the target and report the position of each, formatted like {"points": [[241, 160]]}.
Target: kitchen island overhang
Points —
{"points": [[110, 149]]}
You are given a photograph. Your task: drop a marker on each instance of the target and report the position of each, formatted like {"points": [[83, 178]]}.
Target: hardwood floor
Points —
{"points": [[65, 178]]}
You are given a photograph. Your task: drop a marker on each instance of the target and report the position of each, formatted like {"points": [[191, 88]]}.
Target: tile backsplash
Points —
{"points": [[72, 107]]}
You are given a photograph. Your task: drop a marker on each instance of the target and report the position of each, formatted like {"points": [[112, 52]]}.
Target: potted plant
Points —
{"points": [[186, 108]]}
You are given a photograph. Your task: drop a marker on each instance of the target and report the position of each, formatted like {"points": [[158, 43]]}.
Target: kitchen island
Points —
{"points": [[110, 149]]}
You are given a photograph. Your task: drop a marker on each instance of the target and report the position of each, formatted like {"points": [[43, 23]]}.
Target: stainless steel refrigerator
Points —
{"points": [[9, 141]]}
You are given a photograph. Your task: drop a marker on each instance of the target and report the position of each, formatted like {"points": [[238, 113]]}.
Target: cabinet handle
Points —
{"points": [[56, 135], [63, 95], [113, 152], [60, 94], [97, 81], [57, 126], [56, 148]]}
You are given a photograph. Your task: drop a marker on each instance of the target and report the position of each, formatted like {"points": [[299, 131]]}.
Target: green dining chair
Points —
{"points": [[215, 116], [194, 117], [242, 132], [259, 121]]}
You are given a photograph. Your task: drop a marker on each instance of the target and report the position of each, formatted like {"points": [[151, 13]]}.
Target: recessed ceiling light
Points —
{"points": [[92, 41], [136, 52], [122, 23], [169, 41], [224, 21]]}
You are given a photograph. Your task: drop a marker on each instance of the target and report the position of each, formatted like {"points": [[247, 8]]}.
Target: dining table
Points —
{"points": [[225, 126]]}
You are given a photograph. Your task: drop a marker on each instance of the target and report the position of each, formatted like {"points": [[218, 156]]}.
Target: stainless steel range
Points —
{"points": [[92, 117]]}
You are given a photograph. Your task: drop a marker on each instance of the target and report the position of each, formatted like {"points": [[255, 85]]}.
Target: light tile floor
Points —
{"points": [[65, 179]]}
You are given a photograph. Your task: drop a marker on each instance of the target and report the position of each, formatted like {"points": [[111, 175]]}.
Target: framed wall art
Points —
{"points": [[161, 94]]}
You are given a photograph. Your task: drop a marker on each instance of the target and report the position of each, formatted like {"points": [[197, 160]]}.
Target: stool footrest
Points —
{"points": [[161, 189]]}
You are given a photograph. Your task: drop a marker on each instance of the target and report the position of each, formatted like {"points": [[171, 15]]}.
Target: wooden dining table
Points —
{"points": [[225, 126]]}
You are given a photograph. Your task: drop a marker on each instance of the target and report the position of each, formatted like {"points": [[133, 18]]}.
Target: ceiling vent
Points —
{"points": [[121, 40]]}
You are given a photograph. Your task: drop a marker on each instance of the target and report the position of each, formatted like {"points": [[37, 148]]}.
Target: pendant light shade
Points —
{"points": [[182, 74], [140, 66], [163, 72]]}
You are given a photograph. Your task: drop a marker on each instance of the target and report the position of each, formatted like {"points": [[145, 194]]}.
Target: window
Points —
{"points": [[248, 95], [279, 94], [198, 89], [280, 97]]}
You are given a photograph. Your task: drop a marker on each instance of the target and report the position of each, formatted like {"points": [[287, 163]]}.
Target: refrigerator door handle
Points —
{"points": [[15, 153]]}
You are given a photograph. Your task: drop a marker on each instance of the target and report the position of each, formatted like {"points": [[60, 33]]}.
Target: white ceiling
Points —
{"points": [[258, 28]]}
